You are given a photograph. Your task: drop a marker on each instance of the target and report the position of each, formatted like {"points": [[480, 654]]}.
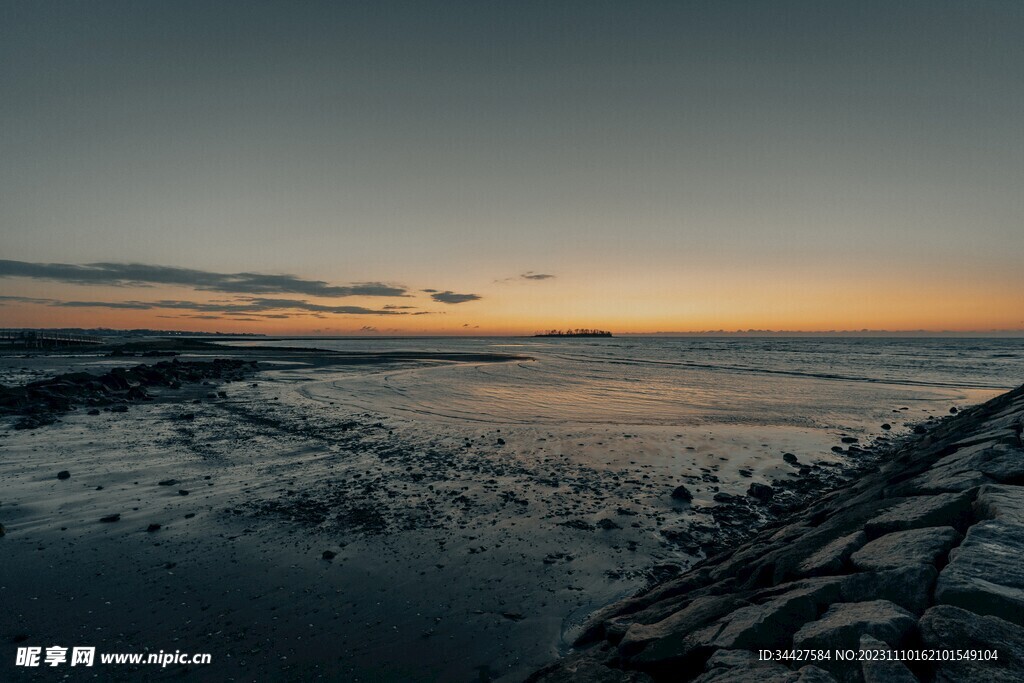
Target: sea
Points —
{"points": [[821, 382]]}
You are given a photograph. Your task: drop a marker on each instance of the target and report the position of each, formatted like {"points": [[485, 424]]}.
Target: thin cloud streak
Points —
{"points": [[144, 275]]}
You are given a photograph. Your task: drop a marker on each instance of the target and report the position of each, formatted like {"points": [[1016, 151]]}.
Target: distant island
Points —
{"points": [[580, 332]]}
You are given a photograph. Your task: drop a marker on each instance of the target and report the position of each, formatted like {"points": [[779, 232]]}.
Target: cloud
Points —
{"points": [[143, 275], [23, 300], [429, 291], [530, 275], [449, 297], [244, 306]]}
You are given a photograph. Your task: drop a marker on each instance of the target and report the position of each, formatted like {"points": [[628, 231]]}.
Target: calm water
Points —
{"points": [[841, 383]]}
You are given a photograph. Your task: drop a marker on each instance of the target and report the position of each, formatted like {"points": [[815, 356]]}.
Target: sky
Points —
{"points": [[494, 168]]}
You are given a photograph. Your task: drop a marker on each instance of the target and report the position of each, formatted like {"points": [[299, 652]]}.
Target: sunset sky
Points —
{"points": [[486, 168]]}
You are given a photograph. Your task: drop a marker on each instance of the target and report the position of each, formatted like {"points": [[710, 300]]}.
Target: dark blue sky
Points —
{"points": [[681, 149]]}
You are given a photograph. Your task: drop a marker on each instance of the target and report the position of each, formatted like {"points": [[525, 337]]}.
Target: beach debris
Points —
{"points": [[167, 482], [63, 474], [116, 517], [153, 527]]}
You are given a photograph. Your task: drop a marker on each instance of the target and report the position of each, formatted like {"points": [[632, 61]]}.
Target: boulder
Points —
{"points": [[1001, 502], [944, 509], [901, 548], [878, 669], [582, 669], [947, 627], [832, 558], [909, 587], [842, 626], [670, 632], [986, 573], [741, 666]]}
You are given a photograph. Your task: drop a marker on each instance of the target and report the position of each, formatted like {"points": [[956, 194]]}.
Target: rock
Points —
{"points": [[761, 492], [93, 411], [3, 530], [682, 493], [790, 458], [920, 429], [953, 410], [63, 474], [876, 668], [182, 492], [607, 524], [910, 586], [849, 439], [842, 626], [1005, 503], [329, 555], [111, 518], [947, 627], [886, 426], [167, 482], [845, 622], [945, 509], [832, 558], [813, 674], [667, 636], [901, 548], [986, 573], [501, 442], [153, 527], [740, 666], [581, 669]]}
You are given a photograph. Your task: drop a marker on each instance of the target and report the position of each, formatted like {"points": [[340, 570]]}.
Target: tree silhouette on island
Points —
{"points": [[578, 332]]}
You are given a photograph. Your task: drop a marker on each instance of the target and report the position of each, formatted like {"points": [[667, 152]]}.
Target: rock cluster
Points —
{"points": [[922, 555], [38, 402]]}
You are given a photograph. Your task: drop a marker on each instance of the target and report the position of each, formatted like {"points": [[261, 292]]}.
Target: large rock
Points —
{"points": [[986, 573], [876, 667], [669, 633], [1001, 502], [741, 666], [902, 548], [582, 669], [845, 622], [944, 509], [946, 627], [832, 558], [910, 587], [766, 625]]}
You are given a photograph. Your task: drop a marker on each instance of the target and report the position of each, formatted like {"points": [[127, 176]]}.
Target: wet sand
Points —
{"points": [[300, 540]]}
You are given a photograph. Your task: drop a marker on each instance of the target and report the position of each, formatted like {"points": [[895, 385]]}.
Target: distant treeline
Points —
{"points": [[578, 332]]}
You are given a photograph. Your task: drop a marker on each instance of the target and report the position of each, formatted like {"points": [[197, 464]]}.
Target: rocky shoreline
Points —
{"points": [[39, 403], [908, 567]]}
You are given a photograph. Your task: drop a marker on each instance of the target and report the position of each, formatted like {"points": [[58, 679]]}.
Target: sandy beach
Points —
{"points": [[296, 538]]}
